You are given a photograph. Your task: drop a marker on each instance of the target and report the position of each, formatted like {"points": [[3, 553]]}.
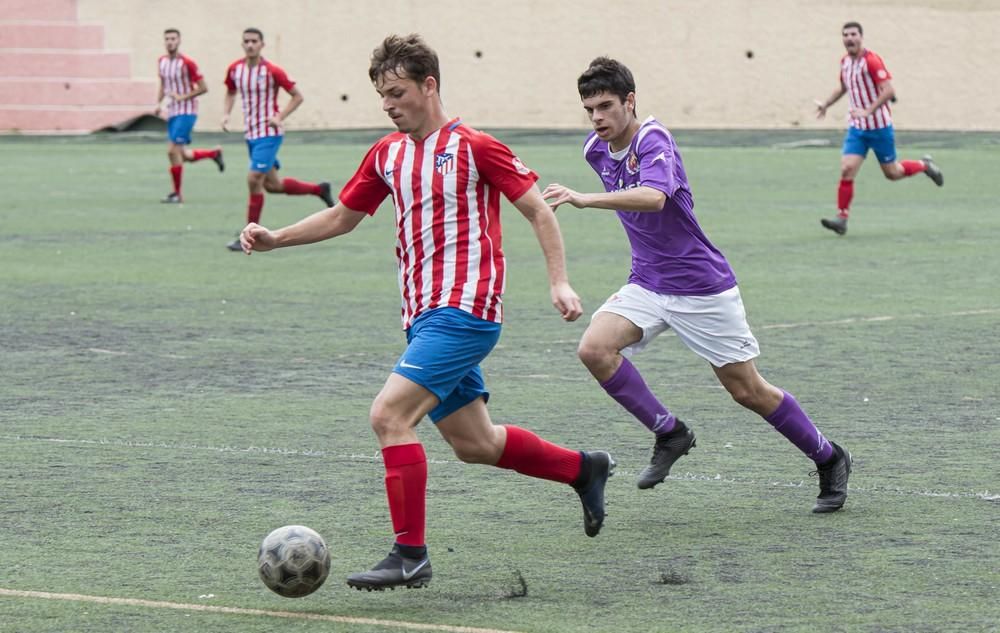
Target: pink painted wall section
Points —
{"points": [[63, 63], [56, 75], [39, 119], [38, 10], [50, 35], [77, 92]]}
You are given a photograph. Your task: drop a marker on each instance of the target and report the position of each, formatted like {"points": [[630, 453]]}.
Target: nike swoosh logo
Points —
{"points": [[409, 574], [406, 365]]}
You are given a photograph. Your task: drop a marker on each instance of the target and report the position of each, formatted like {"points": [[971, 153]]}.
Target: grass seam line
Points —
{"points": [[207, 608]]}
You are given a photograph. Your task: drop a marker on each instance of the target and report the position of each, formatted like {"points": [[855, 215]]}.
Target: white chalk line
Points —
{"points": [[374, 457], [772, 326], [294, 615], [847, 321]]}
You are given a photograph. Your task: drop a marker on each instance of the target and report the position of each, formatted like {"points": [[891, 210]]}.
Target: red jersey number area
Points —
{"points": [[446, 193]]}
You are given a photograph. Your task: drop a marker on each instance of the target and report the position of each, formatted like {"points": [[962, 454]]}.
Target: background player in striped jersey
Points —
{"points": [[866, 81], [258, 82], [678, 281], [445, 180], [180, 86]]}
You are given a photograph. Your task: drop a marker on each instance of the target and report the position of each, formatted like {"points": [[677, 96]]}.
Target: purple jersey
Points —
{"points": [[670, 253]]}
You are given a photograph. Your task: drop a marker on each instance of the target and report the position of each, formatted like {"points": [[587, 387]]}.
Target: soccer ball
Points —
{"points": [[293, 561]]}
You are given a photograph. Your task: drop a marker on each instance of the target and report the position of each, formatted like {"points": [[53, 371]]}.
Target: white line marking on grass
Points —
{"points": [[98, 350], [879, 319], [847, 321], [985, 495], [268, 450], [293, 615]]}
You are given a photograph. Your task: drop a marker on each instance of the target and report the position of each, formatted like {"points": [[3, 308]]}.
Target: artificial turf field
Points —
{"points": [[165, 403]]}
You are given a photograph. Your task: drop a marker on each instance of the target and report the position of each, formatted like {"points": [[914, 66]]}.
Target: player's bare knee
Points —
{"points": [[594, 356], [272, 187], [255, 181], [744, 395], [382, 420], [473, 452]]}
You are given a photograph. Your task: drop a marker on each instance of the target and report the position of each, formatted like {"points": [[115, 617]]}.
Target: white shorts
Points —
{"points": [[713, 326]]}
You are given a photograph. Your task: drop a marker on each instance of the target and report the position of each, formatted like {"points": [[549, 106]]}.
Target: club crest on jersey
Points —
{"points": [[444, 163], [632, 164], [520, 167]]}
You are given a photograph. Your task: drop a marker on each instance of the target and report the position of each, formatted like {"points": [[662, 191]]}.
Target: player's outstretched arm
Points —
{"points": [[635, 199], [822, 106], [322, 225], [543, 221]]}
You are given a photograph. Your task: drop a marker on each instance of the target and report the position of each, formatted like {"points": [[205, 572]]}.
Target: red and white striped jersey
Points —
{"points": [[258, 87], [860, 77], [179, 74], [446, 192]]}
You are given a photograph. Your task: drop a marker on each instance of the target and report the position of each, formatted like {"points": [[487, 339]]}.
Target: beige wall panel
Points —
{"points": [[689, 56]]}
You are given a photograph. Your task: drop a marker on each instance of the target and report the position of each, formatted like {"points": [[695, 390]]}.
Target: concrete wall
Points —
{"points": [[514, 63]]}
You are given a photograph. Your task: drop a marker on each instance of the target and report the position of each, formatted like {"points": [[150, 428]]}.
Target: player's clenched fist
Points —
{"points": [[255, 237]]}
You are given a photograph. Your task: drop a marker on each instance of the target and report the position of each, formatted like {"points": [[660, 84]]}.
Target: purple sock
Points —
{"points": [[628, 388], [791, 421]]}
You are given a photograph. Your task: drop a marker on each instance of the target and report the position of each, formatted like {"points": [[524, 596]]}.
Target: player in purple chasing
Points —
{"points": [[678, 281]]}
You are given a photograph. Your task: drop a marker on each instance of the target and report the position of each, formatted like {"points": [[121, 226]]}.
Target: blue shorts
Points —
{"points": [[264, 153], [882, 142], [443, 352], [179, 128]]}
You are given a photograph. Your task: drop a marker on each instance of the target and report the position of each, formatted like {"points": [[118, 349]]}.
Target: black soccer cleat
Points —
{"points": [[219, 161], [932, 170], [833, 481], [326, 194], [235, 245], [669, 447], [597, 467], [395, 570], [172, 198], [838, 225]]}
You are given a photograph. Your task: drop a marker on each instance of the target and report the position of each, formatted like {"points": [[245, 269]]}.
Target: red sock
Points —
{"points": [[406, 488], [199, 154], [298, 188], [530, 455], [175, 174], [844, 194], [911, 167], [254, 207]]}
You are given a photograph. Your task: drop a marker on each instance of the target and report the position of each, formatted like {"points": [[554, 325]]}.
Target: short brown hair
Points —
{"points": [[853, 25], [409, 54], [606, 75], [172, 30]]}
